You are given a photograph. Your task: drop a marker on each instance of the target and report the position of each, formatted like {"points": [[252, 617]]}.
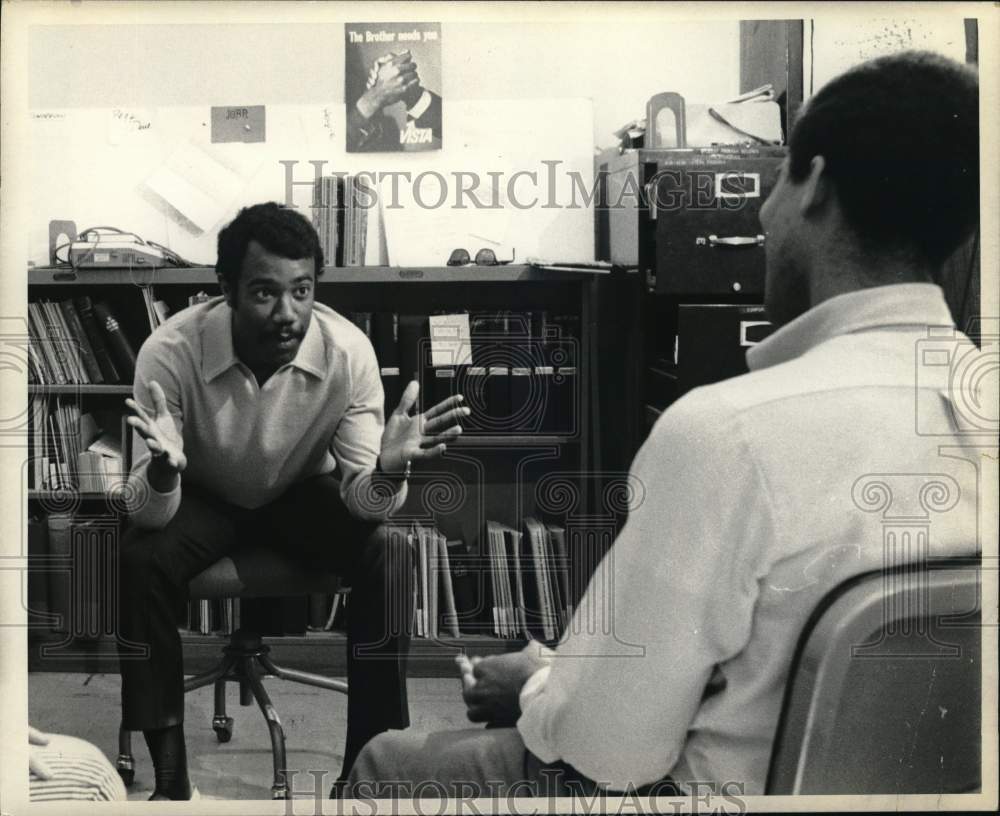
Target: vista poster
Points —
{"points": [[392, 77]]}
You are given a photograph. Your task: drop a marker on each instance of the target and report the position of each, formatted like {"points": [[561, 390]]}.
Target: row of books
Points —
{"points": [[516, 370], [348, 221], [269, 616], [74, 449], [75, 341], [529, 580], [511, 584], [219, 616], [516, 587], [79, 342]]}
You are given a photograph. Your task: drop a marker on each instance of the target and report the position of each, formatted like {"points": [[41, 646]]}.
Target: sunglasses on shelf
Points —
{"points": [[485, 257]]}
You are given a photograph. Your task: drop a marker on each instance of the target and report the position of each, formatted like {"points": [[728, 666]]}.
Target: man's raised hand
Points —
{"points": [[158, 430], [408, 437]]}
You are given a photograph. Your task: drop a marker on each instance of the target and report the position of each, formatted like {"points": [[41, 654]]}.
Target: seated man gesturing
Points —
{"points": [[249, 404]]}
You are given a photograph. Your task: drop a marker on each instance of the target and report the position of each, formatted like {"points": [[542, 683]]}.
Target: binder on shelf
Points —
{"points": [[412, 346], [384, 326], [119, 345], [60, 550], [441, 384], [102, 355], [363, 320], [319, 611], [38, 574], [466, 585]]}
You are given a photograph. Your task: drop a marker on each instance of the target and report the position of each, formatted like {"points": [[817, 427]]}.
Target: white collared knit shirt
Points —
{"points": [[751, 514], [248, 444]]}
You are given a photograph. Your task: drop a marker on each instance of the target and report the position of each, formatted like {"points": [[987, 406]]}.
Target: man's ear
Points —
{"points": [[227, 291], [817, 191]]}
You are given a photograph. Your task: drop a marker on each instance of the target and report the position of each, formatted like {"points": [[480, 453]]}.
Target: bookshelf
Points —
{"points": [[501, 468], [368, 275]]}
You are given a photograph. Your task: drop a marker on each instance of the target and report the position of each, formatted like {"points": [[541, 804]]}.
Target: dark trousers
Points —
{"points": [[309, 523]]}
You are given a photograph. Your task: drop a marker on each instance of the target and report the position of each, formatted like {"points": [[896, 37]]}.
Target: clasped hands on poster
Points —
{"points": [[393, 77]]}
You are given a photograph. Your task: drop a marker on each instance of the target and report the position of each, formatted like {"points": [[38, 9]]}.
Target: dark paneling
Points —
{"points": [[771, 51]]}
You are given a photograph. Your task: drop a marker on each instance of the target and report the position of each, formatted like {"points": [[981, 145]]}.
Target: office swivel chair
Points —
{"points": [[884, 692], [246, 660]]}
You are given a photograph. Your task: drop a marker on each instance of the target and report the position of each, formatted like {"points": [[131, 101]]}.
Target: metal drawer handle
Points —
{"points": [[732, 240], [745, 326]]}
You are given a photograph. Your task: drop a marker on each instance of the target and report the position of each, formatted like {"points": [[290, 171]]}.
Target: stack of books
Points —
{"points": [[347, 214]]}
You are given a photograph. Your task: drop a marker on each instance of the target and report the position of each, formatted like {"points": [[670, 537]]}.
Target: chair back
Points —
{"points": [[884, 694]]}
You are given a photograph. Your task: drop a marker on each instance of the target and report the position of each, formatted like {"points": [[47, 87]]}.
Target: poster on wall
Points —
{"points": [[392, 78]]}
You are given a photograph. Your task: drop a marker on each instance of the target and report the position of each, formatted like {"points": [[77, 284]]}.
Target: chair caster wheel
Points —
{"points": [[223, 727], [125, 766], [280, 792]]}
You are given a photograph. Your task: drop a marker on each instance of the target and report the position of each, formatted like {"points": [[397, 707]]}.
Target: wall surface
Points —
{"points": [[618, 65], [516, 94]]}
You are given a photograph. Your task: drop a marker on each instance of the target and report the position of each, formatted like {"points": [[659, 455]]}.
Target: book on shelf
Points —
{"points": [[42, 333], [560, 563], [450, 617], [337, 619], [157, 310], [328, 217], [65, 345], [546, 594], [81, 342], [513, 540]]}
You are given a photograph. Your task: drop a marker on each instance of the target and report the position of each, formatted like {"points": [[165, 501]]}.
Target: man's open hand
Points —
{"points": [[491, 686], [158, 429], [419, 436]]}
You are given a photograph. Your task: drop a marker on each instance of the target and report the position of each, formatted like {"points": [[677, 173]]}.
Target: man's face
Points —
{"points": [[272, 307], [786, 290]]}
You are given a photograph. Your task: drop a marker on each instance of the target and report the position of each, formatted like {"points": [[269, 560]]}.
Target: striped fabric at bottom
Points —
{"points": [[80, 772]]}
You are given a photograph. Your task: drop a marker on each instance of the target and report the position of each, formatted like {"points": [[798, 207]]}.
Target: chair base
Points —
{"points": [[246, 660]]}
